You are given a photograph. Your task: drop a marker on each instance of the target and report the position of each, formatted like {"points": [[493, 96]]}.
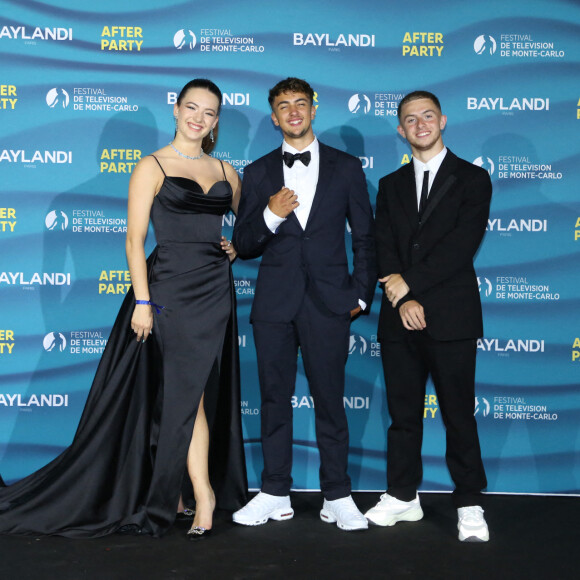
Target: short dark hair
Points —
{"points": [[291, 85], [207, 144], [415, 96]]}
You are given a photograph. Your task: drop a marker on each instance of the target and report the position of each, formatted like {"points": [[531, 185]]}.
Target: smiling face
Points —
{"points": [[293, 113], [197, 113], [421, 123]]}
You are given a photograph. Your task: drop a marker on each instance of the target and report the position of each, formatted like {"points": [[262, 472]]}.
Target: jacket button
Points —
{"points": [[416, 246]]}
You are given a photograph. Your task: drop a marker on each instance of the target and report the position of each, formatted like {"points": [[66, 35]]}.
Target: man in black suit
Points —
{"points": [[431, 217], [294, 207]]}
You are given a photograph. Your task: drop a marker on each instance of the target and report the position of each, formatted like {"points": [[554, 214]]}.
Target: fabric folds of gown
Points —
{"points": [[127, 462]]}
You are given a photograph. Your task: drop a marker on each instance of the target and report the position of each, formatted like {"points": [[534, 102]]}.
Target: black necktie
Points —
{"points": [[424, 193], [289, 158]]}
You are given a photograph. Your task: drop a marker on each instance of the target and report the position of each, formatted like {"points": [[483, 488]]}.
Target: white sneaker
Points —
{"points": [[391, 510], [344, 512], [472, 526], [262, 508]]}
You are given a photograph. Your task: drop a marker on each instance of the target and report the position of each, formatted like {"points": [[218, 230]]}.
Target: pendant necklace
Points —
{"points": [[184, 155]]}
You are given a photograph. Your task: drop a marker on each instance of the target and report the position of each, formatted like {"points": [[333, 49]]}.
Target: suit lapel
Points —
{"points": [[274, 170], [407, 193], [325, 172], [443, 182], [274, 173]]}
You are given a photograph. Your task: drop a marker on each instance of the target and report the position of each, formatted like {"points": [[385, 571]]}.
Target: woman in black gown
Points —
{"points": [[164, 406]]}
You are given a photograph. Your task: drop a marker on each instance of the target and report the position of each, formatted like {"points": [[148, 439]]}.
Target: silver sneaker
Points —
{"points": [[391, 510], [262, 508], [472, 525], [344, 512]]}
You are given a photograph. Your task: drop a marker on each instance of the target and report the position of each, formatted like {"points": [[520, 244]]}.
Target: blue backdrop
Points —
{"points": [[86, 91]]}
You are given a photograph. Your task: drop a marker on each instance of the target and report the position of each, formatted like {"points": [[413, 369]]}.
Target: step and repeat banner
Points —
{"points": [[86, 91]]}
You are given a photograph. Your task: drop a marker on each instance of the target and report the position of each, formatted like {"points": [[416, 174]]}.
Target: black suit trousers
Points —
{"points": [[451, 364], [323, 338]]}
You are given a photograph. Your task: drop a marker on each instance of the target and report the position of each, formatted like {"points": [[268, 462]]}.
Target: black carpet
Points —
{"points": [[530, 537]]}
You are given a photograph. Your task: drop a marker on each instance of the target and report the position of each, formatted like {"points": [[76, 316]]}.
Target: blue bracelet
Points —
{"points": [[158, 308]]}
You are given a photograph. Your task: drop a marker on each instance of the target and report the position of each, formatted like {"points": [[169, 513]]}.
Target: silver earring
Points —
{"points": [[175, 119], [211, 135]]}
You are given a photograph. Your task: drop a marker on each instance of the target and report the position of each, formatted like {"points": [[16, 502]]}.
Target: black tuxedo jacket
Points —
{"points": [[314, 258], [434, 256]]}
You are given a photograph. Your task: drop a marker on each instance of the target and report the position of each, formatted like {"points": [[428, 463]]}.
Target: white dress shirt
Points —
{"points": [[302, 180], [432, 166]]}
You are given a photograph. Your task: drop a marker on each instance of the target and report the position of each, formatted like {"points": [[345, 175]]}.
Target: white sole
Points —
{"points": [[413, 515], [329, 518], [278, 515]]}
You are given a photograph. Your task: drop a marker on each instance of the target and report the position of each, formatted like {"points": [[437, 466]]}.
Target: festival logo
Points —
{"points": [[216, 40], [98, 99], [87, 342], [518, 288], [183, 39], [518, 409], [520, 167], [485, 285], [516, 46], [359, 103], [482, 406], [485, 44], [576, 228], [58, 97], [486, 163], [56, 220], [54, 342], [358, 344]]}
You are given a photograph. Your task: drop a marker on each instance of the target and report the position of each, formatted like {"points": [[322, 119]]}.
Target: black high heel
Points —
{"points": [[186, 514], [198, 533]]}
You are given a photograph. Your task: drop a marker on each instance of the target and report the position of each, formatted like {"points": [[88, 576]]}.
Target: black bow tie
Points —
{"points": [[290, 158]]}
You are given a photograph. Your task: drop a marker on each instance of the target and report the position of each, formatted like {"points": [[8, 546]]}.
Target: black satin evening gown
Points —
{"points": [[127, 463]]}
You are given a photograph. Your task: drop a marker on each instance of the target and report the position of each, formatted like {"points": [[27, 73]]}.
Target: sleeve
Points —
{"points": [[251, 232], [360, 219]]}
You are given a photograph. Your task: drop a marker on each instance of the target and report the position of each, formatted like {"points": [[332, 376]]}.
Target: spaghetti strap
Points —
{"points": [[159, 164], [224, 171]]}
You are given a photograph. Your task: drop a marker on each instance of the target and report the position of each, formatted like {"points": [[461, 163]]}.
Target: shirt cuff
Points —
{"points": [[272, 220], [362, 304]]}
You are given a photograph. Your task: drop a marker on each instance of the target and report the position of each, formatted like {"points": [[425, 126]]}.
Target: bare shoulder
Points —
{"points": [[231, 173]]}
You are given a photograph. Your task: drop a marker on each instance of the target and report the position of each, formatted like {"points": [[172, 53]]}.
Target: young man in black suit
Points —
{"points": [[430, 220], [294, 207]]}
